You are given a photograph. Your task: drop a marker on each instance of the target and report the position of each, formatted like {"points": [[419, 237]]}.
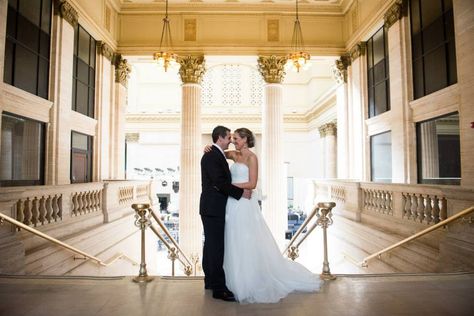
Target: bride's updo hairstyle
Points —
{"points": [[245, 132]]}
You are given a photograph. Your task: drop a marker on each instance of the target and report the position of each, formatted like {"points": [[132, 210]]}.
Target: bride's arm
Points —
{"points": [[229, 153], [253, 175]]}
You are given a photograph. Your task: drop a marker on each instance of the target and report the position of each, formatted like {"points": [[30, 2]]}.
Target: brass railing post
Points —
{"points": [[324, 220], [142, 221], [172, 256]]}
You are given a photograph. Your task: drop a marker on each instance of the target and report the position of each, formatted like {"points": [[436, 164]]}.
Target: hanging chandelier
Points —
{"points": [[298, 58], [166, 59]]}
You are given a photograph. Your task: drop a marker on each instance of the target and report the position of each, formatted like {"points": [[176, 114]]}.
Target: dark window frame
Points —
{"points": [[371, 84], [90, 64], [444, 44], [38, 54], [89, 155], [42, 157], [439, 181]]}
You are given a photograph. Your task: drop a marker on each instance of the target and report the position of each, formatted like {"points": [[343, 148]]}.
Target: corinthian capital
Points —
{"points": [[357, 51], [328, 129], [67, 12], [192, 69], [105, 50], [122, 69], [340, 69], [394, 13], [272, 68]]}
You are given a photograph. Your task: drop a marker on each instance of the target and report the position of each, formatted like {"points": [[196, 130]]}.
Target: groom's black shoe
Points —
{"points": [[225, 295]]}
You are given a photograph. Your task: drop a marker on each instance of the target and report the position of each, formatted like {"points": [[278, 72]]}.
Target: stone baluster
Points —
{"points": [[444, 209], [42, 211], [436, 209], [421, 209], [50, 215], [59, 203], [428, 210], [414, 206], [20, 212], [34, 211]]}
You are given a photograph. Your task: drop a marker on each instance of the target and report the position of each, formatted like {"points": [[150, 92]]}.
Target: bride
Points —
{"points": [[255, 270]]}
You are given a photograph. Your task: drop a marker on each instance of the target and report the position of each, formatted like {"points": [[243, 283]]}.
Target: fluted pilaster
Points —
{"points": [[429, 150], [328, 134], [190, 227]]}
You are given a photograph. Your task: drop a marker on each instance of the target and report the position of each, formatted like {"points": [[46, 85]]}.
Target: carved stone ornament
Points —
{"points": [[339, 69], [272, 68], [122, 69], [132, 137], [358, 50], [328, 129], [192, 69], [105, 50], [67, 12], [394, 13]]}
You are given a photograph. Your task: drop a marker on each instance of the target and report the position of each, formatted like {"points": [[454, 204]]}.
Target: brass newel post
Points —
{"points": [[324, 220], [142, 221]]}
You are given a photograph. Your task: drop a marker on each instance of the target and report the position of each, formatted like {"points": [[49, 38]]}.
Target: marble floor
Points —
{"points": [[396, 294]]}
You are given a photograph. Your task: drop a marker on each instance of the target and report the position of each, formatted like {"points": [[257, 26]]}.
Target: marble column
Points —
{"points": [[190, 226], [117, 117], [104, 73], [59, 132], [274, 183], [328, 132], [463, 11], [342, 104]]}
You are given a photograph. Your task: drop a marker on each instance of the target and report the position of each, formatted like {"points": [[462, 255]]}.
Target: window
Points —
{"points": [[433, 49], [438, 150], [22, 151], [83, 82], [27, 45], [381, 157], [81, 158], [378, 76]]}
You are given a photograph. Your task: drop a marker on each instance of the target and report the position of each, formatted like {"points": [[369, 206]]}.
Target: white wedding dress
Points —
{"points": [[254, 267]]}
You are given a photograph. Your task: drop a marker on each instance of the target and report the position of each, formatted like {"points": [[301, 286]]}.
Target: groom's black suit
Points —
{"points": [[216, 187]]}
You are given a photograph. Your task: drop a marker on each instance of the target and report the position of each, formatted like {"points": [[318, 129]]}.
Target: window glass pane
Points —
{"points": [[381, 157], [82, 71], [44, 45], [11, 23], [435, 70], [91, 77], [26, 64], [415, 16], [370, 59], [371, 102], [28, 34], [91, 103], [43, 72], [430, 11], [448, 5], [83, 51], [433, 35], [13, 4], [416, 44], [379, 72], [81, 98], [439, 158], [449, 24], [22, 154], [380, 98], [46, 16], [418, 81], [92, 54], [79, 141], [8, 69], [379, 52], [452, 69], [30, 10]]}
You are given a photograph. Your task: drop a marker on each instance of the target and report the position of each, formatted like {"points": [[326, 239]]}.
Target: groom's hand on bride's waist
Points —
{"points": [[247, 194]]}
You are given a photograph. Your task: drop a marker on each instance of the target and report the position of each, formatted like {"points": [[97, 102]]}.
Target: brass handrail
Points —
{"points": [[173, 254], [417, 235], [300, 229], [64, 245]]}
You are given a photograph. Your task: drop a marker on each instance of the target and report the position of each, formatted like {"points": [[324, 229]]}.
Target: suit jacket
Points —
{"points": [[216, 184]]}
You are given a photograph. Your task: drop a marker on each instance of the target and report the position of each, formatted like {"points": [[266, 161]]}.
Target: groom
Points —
{"points": [[216, 187]]}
